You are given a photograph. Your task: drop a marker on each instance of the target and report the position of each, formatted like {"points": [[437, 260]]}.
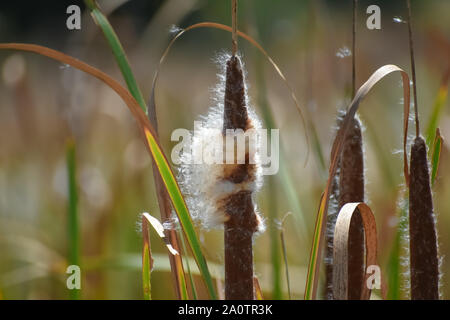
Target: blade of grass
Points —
{"points": [[152, 145], [147, 261], [118, 51], [320, 227], [437, 110], [436, 155], [73, 229], [283, 245], [188, 266], [395, 267]]}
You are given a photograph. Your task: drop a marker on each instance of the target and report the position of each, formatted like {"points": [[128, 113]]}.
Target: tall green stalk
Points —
{"points": [[72, 224]]}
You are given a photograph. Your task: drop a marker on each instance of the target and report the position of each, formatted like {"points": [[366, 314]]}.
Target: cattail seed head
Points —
{"points": [[351, 189], [242, 220], [235, 113], [424, 261], [210, 188], [348, 186], [221, 194]]}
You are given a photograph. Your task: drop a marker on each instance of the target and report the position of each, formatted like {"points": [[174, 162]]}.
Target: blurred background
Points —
{"points": [[44, 103]]}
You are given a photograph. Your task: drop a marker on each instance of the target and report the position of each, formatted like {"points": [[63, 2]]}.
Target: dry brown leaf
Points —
{"points": [[340, 248]]}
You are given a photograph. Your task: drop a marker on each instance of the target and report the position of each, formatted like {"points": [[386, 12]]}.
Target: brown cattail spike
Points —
{"points": [[351, 189], [235, 109], [242, 220], [422, 230], [238, 239]]}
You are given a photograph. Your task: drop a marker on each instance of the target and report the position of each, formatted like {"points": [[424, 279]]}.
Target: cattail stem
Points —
{"points": [[351, 189], [413, 67], [422, 231], [241, 221], [355, 3], [234, 43], [238, 241]]}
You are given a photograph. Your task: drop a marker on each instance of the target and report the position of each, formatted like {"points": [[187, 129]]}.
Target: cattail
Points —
{"points": [[348, 186], [222, 195], [242, 221], [351, 189], [424, 260], [422, 231]]}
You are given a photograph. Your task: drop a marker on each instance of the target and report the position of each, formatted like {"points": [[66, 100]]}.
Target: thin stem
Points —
{"points": [[355, 3], [234, 44], [283, 245], [413, 67]]}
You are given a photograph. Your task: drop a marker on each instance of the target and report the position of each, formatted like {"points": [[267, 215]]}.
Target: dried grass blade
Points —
{"points": [[341, 248], [258, 291], [160, 231]]}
